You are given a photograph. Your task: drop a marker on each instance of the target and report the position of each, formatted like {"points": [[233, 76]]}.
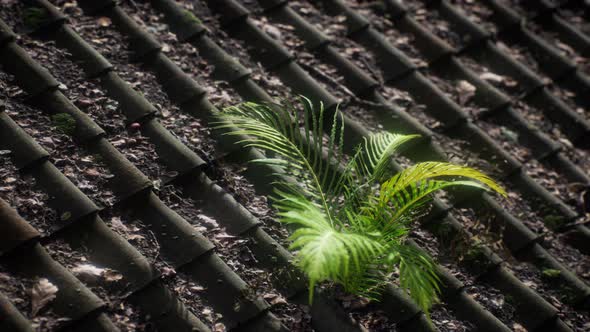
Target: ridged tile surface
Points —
{"points": [[117, 189]]}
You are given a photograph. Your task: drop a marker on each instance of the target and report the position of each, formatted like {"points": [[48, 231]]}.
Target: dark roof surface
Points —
{"points": [[134, 214]]}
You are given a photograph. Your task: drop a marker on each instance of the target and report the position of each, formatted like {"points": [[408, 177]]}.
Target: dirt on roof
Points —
{"points": [[122, 208]]}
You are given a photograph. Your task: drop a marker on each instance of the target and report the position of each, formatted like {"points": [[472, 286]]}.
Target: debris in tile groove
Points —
{"points": [[17, 289], [89, 174], [476, 12]]}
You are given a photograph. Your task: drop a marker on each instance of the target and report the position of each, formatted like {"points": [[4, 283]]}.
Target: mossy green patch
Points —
{"points": [[64, 123], [475, 259], [191, 17], [551, 273], [554, 221]]}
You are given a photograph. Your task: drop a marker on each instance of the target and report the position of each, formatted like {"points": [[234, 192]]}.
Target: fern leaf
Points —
{"points": [[428, 170], [272, 128], [371, 162], [324, 252], [347, 230], [410, 198], [417, 274], [378, 151]]}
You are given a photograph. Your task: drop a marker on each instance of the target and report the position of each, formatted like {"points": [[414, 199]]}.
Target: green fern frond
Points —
{"points": [[417, 274], [347, 230], [378, 150], [275, 130], [432, 169], [370, 164], [324, 252], [405, 200]]}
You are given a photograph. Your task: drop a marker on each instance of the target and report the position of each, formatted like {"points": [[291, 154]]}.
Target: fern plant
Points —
{"points": [[350, 216]]}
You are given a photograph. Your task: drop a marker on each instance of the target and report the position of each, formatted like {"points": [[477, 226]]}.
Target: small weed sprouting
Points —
{"points": [[350, 216], [64, 123]]}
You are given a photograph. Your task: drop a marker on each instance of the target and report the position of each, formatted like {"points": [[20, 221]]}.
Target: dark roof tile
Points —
{"points": [[544, 226]]}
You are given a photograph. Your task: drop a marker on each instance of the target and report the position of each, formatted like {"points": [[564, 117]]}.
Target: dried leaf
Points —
{"points": [[117, 224], [491, 77], [9, 180], [566, 48], [135, 237], [499, 302], [566, 142], [92, 172], [208, 221], [87, 269], [87, 272], [103, 21], [112, 275], [530, 283], [223, 235], [273, 32], [219, 327], [157, 184], [273, 298], [518, 328], [42, 293], [466, 90], [168, 272], [118, 143]]}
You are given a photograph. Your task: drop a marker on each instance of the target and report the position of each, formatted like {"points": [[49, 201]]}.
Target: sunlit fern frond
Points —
{"points": [[432, 169], [378, 149], [298, 152], [370, 164], [346, 229], [325, 253], [417, 274], [400, 201]]}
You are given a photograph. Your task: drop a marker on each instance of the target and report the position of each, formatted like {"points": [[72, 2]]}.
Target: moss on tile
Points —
{"points": [[189, 15], [551, 273], [64, 123]]}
